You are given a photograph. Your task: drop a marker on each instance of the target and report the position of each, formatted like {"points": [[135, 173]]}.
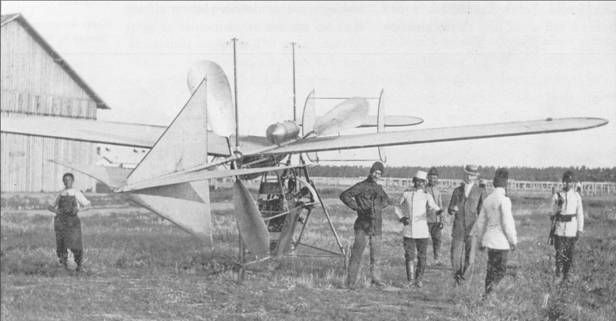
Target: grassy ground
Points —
{"points": [[141, 268]]}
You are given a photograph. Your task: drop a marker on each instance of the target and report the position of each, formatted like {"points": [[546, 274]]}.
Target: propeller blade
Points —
{"points": [[309, 115], [348, 114], [380, 125], [249, 221], [220, 114]]}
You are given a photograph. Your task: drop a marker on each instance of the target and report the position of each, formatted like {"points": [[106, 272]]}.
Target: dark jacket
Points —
{"points": [[468, 209], [368, 199]]}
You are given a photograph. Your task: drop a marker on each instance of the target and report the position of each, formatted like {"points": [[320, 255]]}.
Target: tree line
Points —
{"points": [[582, 173]]}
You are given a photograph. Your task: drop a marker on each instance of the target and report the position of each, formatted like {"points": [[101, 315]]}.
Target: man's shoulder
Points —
{"points": [[478, 190], [578, 195], [502, 198], [68, 192]]}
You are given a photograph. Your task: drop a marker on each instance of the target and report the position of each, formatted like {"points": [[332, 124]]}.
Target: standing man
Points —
{"points": [[368, 199], [569, 224], [413, 215], [465, 204], [435, 220], [495, 230], [67, 225]]}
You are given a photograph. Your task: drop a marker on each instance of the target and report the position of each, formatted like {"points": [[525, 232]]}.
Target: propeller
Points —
{"points": [[348, 114], [380, 125], [249, 221], [309, 115], [219, 100]]}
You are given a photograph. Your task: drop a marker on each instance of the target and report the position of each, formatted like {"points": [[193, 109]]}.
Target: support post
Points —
{"points": [[241, 259], [293, 61], [237, 122]]}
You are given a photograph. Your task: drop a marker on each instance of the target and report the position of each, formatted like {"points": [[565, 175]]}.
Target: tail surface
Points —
{"points": [[183, 145]]}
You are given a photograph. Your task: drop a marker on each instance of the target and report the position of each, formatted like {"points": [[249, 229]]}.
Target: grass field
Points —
{"points": [[141, 268]]}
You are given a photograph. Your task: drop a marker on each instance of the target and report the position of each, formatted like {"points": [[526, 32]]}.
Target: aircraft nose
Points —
{"points": [[275, 133], [279, 133]]}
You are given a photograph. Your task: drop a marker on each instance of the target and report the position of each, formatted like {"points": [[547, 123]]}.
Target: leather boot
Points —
{"points": [[376, 276], [63, 261], [410, 270]]}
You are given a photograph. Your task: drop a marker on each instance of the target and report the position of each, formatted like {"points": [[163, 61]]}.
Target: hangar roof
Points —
{"points": [[56, 57]]}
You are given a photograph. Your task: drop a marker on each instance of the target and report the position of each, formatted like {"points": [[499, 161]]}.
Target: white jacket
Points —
{"points": [[495, 226], [572, 205], [414, 205]]}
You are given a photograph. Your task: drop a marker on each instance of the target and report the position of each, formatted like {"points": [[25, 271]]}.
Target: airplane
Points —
{"points": [[172, 180]]}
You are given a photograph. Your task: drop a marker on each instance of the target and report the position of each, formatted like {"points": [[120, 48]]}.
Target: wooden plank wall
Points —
{"points": [[34, 84]]}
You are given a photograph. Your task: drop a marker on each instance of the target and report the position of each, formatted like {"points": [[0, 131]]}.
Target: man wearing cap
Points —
{"points": [[568, 218], [495, 230], [435, 220], [465, 204], [368, 199], [412, 212]]}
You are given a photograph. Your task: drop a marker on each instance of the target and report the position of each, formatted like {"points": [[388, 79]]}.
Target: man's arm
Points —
{"points": [[556, 203], [579, 212], [402, 216], [84, 203], [453, 203], [398, 208], [432, 204], [439, 197], [482, 197], [54, 207], [384, 198], [348, 196], [479, 226], [508, 222]]}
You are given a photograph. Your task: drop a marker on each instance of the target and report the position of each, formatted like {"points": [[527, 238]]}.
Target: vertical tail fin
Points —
{"points": [[183, 145]]}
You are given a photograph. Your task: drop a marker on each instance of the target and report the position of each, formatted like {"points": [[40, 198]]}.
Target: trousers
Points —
{"points": [[565, 248], [497, 267], [68, 236], [416, 248], [435, 235], [461, 258], [361, 239]]}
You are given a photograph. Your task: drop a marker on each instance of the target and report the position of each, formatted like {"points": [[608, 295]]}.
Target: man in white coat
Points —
{"points": [[495, 229], [412, 212], [568, 220]]}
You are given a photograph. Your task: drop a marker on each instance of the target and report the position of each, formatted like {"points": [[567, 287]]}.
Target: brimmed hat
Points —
{"points": [[471, 170], [421, 175], [377, 166]]}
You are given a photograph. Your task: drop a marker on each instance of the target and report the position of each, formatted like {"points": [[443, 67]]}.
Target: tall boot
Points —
{"points": [[63, 261], [410, 270], [376, 275], [77, 255]]}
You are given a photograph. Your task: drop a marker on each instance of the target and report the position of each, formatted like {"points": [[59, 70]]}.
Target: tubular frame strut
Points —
{"points": [[341, 253]]}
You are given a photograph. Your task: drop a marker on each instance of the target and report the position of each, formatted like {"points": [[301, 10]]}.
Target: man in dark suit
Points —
{"points": [[465, 205]]}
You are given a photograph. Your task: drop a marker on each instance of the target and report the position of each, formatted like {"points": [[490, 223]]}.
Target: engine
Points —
{"points": [[279, 133]]}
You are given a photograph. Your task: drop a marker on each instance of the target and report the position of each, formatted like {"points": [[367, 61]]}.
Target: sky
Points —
{"points": [[450, 63]]}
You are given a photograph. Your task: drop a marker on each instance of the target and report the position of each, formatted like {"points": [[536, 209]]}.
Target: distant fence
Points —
{"points": [[397, 184], [394, 183]]}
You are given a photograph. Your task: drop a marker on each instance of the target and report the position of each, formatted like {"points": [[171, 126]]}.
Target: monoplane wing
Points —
{"points": [[432, 135], [113, 133]]}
